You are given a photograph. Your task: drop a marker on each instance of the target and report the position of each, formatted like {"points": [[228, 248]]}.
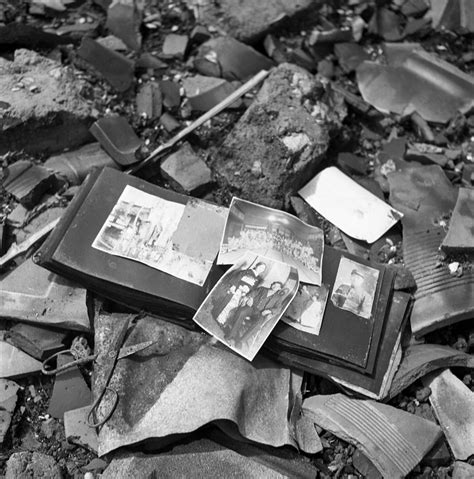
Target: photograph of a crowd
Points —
{"points": [[141, 227], [274, 234], [247, 302]]}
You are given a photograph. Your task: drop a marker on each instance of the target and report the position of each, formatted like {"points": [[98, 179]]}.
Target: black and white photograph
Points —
{"points": [[306, 311], [273, 234], [141, 227], [354, 287], [247, 302]]}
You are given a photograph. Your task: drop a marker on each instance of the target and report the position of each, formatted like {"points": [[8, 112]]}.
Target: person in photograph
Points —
{"points": [[354, 297], [236, 300]]}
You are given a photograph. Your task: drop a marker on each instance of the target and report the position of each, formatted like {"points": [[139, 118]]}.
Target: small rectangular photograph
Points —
{"points": [[247, 302], [274, 234], [141, 227], [354, 287], [306, 311]]}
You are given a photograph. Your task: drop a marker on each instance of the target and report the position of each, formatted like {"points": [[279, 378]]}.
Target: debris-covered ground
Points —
{"points": [[375, 97]]}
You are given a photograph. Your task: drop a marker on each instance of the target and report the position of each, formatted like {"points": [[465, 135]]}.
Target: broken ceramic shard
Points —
{"points": [[8, 397], [460, 237], [349, 206], [395, 441], [117, 138], [75, 165], [35, 295], [453, 404], [413, 80], [15, 362]]}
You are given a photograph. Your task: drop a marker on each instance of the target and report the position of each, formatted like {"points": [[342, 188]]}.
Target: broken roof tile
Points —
{"points": [[460, 237], [15, 362], [118, 139], [8, 398], [453, 404], [414, 80], [394, 440], [228, 58], [117, 69], [28, 182]]}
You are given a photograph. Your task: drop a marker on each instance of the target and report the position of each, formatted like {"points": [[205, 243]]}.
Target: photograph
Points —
{"points": [[247, 302], [306, 311], [141, 227], [354, 287], [274, 234]]}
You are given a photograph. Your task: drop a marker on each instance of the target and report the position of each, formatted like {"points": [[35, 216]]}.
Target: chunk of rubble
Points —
{"points": [[8, 398], [169, 122], [44, 105], [365, 466], [228, 58], [175, 46], [463, 470], [453, 404], [204, 92], [454, 15], [117, 69], [186, 171], [124, 18], [118, 139], [246, 20], [414, 80], [37, 221], [170, 93], [350, 55], [70, 391], [74, 166], [38, 342], [149, 100], [287, 128], [460, 237], [28, 182], [420, 359], [78, 431], [16, 363], [112, 43], [394, 440], [211, 459], [32, 464], [32, 294]]}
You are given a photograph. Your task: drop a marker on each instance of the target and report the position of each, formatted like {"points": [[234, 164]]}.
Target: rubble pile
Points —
{"points": [[237, 239]]}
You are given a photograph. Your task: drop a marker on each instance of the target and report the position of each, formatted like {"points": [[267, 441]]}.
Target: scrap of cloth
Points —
{"points": [[184, 381]]}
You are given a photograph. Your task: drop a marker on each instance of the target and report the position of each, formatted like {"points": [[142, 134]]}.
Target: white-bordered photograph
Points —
{"points": [[273, 234], [355, 287], [306, 311], [247, 302], [141, 227]]}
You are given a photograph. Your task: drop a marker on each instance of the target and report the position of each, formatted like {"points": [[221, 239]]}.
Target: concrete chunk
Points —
{"points": [[287, 129], [32, 465], [463, 470], [46, 112], [453, 404], [186, 171]]}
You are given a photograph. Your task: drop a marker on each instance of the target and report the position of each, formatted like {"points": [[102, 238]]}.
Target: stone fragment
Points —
{"points": [[78, 431], [124, 18], [32, 465], [149, 100], [350, 55], [453, 404], [175, 46], [169, 123], [199, 34], [460, 237], [352, 164], [18, 216], [205, 92], [394, 440], [463, 470], [118, 139], [186, 171], [96, 465], [38, 222], [148, 61], [112, 43], [8, 397], [365, 466], [70, 390], [468, 175], [75, 165], [15, 362], [21, 35], [228, 58], [248, 20], [117, 69], [287, 128], [54, 118], [170, 93], [38, 342]]}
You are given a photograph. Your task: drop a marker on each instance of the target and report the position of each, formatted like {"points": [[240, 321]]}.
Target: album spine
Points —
{"points": [[45, 253]]}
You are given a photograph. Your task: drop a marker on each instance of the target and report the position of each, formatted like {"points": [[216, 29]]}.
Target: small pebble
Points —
{"points": [[423, 394]]}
